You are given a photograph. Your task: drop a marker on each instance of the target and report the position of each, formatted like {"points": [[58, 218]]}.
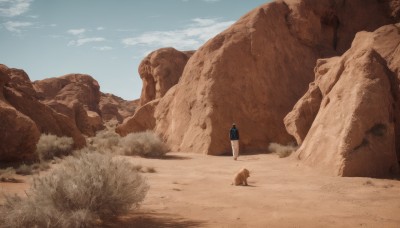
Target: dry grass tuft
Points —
{"points": [[281, 150], [82, 192]]}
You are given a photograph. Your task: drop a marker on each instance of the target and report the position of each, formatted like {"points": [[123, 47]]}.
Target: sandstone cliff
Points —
{"points": [[348, 121], [255, 71]]}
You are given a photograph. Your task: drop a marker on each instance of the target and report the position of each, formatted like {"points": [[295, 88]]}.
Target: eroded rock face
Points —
{"points": [[18, 134], [161, 70], [76, 96], [254, 72], [115, 108], [348, 121], [24, 118], [142, 120]]}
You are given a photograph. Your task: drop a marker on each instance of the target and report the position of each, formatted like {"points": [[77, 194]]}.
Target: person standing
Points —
{"points": [[234, 136]]}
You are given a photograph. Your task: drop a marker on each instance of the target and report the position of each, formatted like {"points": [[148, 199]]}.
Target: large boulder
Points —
{"points": [[255, 71], [161, 70], [76, 96], [348, 121], [19, 135]]}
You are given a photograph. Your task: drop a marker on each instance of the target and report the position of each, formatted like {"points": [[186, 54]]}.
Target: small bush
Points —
{"points": [[81, 192], [106, 140], [6, 175], [42, 166], [24, 170], [50, 146], [145, 144], [281, 150]]}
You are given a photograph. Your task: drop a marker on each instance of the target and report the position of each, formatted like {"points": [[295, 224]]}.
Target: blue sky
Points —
{"points": [[107, 39]]}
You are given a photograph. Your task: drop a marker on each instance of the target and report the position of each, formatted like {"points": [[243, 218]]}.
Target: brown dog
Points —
{"points": [[241, 177]]}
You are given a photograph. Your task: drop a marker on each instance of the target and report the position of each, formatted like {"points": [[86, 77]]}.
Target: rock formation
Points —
{"points": [[113, 107], [255, 71], [348, 123], [142, 120], [161, 70], [24, 118], [76, 96]]}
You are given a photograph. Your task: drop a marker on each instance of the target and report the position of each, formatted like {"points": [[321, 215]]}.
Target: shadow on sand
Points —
{"points": [[175, 157], [152, 220]]}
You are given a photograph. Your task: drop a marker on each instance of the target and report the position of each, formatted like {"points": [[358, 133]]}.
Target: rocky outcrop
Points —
{"points": [[142, 120], [115, 108], [255, 71], [348, 123], [18, 133], [24, 118], [76, 96], [161, 70]]}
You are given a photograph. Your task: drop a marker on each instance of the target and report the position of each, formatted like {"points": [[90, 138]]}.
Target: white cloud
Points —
{"points": [[16, 26], [76, 31], [190, 37], [11, 8], [83, 41], [103, 48], [100, 28]]}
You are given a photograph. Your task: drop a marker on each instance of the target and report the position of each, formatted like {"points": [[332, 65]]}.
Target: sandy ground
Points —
{"points": [[192, 190]]}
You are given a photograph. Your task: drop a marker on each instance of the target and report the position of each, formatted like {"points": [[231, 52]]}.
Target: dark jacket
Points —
{"points": [[234, 133]]}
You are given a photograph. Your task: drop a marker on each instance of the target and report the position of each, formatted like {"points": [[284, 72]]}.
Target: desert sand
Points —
{"points": [[193, 190]]}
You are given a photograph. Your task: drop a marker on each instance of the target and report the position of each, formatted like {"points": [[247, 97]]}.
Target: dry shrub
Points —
{"points": [[50, 146], [24, 169], [144, 144], [81, 192], [282, 150], [106, 140], [6, 175]]}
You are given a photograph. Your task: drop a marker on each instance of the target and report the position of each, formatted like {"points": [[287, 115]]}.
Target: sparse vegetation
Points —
{"points": [[144, 144], [24, 169], [282, 150], [6, 175], [106, 140], [82, 192], [50, 146]]}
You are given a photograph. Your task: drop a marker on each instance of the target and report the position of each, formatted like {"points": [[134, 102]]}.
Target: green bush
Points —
{"points": [[81, 192]]}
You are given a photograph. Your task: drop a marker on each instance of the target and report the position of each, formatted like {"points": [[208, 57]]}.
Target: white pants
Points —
{"points": [[235, 148]]}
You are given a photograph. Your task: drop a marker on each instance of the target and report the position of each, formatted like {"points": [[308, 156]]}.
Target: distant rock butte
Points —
{"points": [[161, 70], [253, 73], [348, 123]]}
